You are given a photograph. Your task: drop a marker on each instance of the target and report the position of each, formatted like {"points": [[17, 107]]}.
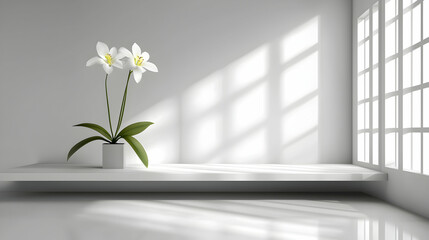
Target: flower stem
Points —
{"points": [[108, 107], [124, 100]]}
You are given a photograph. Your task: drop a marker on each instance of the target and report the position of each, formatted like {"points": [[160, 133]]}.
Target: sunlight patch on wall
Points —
{"points": [[299, 84], [300, 80], [300, 40], [248, 110], [202, 96], [247, 70], [297, 122], [223, 113]]}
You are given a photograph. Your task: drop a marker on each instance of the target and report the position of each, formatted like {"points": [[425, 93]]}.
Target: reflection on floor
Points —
{"points": [[204, 216]]}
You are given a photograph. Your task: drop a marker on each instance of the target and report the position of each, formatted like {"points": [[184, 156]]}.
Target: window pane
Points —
{"points": [[406, 3], [361, 30], [391, 73], [367, 85], [412, 152], [425, 19], [417, 150], [367, 26], [406, 111], [426, 153], [416, 108], [390, 39], [407, 155], [361, 57], [375, 82], [391, 150], [361, 116], [375, 148], [390, 9], [406, 70], [416, 67], [407, 30], [367, 115], [375, 17], [426, 107], [426, 61], [375, 114], [411, 110], [416, 24], [375, 49], [366, 57], [367, 147], [361, 87], [391, 111], [361, 147]]}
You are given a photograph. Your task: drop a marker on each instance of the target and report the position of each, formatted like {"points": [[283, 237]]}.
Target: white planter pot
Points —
{"points": [[113, 156]]}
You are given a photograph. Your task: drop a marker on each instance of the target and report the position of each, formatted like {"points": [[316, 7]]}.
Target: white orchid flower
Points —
{"points": [[138, 61], [107, 58]]}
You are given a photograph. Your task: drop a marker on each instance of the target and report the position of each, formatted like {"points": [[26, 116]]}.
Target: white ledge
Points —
{"points": [[194, 172]]}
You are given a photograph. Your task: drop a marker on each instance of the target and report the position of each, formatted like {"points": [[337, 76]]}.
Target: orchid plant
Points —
{"points": [[136, 62]]}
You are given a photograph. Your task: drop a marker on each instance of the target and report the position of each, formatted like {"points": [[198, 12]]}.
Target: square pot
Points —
{"points": [[113, 156]]}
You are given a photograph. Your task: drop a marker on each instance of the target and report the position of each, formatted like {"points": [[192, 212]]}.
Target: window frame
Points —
{"points": [[399, 92]]}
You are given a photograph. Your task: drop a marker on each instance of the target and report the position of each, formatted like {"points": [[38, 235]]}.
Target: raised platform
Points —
{"points": [[194, 173]]}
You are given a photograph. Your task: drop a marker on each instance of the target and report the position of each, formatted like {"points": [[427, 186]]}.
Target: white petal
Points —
{"points": [[145, 56], [150, 66], [137, 73], [123, 52], [117, 63], [136, 50], [140, 69], [108, 69], [113, 52], [94, 60], [137, 76], [102, 49]]}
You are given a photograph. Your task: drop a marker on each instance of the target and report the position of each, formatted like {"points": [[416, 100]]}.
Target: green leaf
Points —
{"points": [[134, 129], [138, 148], [83, 143], [97, 128]]}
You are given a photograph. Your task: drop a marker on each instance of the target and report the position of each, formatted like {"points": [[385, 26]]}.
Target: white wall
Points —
{"points": [[239, 81], [404, 189]]}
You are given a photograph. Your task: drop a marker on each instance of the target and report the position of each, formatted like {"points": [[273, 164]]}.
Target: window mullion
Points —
{"points": [[400, 85], [411, 156], [381, 89], [370, 87], [421, 87]]}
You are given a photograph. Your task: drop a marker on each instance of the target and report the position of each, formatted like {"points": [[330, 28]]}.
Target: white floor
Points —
{"points": [[204, 216]]}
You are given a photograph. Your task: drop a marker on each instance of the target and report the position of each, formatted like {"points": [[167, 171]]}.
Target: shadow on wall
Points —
{"points": [[260, 108]]}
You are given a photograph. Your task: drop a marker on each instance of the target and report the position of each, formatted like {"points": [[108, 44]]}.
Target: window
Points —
{"points": [[392, 84], [413, 88], [404, 84], [406, 132], [367, 85]]}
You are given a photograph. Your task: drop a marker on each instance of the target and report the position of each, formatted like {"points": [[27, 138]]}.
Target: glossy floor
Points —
{"points": [[205, 216]]}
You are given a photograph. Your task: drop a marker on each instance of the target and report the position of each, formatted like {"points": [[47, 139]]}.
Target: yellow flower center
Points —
{"points": [[138, 60], [108, 59]]}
